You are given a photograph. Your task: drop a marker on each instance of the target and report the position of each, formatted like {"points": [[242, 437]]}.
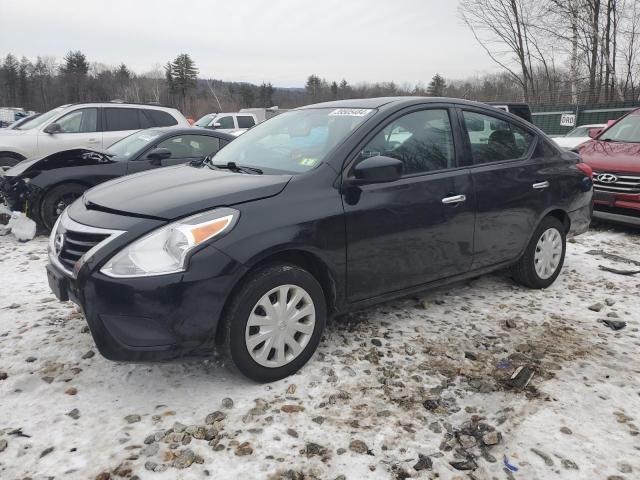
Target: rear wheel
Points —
{"points": [[274, 322], [56, 200], [543, 259]]}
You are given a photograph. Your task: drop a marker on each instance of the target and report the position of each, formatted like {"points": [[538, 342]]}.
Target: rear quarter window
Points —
{"points": [[160, 118]]}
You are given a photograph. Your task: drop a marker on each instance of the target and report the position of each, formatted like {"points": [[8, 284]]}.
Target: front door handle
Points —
{"points": [[454, 199], [93, 140], [540, 185]]}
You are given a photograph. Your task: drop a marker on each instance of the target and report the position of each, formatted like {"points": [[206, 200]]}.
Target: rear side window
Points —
{"points": [[160, 118], [118, 119], [245, 121], [422, 140], [493, 139], [191, 146]]}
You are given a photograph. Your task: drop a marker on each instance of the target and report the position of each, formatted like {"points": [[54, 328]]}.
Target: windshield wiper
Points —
{"points": [[234, 167]]}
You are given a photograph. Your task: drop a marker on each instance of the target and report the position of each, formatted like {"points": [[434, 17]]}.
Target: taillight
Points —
{"points": [[586, 169]]}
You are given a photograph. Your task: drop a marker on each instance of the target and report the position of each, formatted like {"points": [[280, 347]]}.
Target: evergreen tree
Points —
{"points": [[265, 95], [75, 70], [23, 80], [10, 79], [437, 86], [334, 90], [182, 76], [313, 88], [344, 89], [247, 96]]}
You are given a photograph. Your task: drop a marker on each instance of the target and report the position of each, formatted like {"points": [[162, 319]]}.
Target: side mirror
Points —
{"points": [[594, 132], [53, 128], [156, 155], [216, 125], [379, 169]]}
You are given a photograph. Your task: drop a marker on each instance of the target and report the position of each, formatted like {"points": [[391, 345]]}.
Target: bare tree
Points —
{"points": [[502, 27]]}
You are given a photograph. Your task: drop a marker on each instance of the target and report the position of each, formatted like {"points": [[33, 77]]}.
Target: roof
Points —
{"points": [[378, 102], [192, 131], [119, 104]]}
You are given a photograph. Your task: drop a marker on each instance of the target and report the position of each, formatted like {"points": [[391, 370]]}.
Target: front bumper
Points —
{"points": [[618, 208], [20, 195], [153, 318]]}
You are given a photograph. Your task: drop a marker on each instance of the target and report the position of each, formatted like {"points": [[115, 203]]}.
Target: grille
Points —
{"points": [[622, 184], [77, 244]]}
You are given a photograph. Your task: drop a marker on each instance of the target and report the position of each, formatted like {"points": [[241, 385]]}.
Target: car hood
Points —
{"points": [[611, 156], [11, 132], [67, 158], [570, 142], [174, 192]]}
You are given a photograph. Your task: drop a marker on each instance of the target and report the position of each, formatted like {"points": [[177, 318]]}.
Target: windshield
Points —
{"points": [[206, 120], [295, 141], [35, 122], [626, 130], [579, 132], [132, 144]]}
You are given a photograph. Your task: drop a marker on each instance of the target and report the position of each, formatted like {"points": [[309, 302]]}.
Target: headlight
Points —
{"points": [[165, 250]]}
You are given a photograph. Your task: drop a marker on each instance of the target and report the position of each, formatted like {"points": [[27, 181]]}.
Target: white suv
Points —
{"points": [[233, 123], [92, 125]]}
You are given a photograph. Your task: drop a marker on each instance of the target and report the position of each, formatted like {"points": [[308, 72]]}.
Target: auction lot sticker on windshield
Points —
{"points": [[350, 112]]}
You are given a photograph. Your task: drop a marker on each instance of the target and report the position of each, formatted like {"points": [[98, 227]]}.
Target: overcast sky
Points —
{"points": [[281, 41]]}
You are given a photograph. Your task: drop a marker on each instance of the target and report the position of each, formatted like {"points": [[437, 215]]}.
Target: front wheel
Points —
{"points": [[543, 259], [56, 200], [274, 322]]}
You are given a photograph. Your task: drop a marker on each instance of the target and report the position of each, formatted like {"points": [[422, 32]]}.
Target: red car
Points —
{"points": [[614, 156]]}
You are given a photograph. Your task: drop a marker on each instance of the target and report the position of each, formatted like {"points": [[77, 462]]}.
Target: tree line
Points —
{"points": [[562, 51], [549, 51]]}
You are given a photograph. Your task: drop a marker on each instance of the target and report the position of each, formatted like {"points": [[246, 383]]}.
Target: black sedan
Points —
{"points": [[43, 187], [315, 212]]}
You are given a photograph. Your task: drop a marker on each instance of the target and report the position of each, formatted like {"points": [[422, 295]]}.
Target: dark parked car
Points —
{"points": [[320, 210], [43, 187]]}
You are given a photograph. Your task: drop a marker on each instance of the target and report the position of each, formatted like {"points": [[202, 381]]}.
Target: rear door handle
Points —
{"points": [[454, 199], [540, 185]]}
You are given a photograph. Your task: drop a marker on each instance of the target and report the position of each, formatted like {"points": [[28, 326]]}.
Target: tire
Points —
{"points": [[56, 200], [541, 263], [261, 361]]}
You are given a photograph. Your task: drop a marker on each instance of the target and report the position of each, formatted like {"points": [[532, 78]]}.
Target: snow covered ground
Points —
{"points": [[412, 388]]}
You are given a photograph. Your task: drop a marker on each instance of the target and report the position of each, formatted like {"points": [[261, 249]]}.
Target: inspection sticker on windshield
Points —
{"points": [[308, 162], [350, 112]]}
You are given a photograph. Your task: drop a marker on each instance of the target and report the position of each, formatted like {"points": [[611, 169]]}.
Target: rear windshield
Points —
{"points": [[626, 130], [132, 144], [295, 141]]}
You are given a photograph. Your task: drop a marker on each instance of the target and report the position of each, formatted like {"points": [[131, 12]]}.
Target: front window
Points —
{"points": [[626, 130], [295, 141], [41, 119], [129, 146], [422, 140], [225, 122], [84, 120]]}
